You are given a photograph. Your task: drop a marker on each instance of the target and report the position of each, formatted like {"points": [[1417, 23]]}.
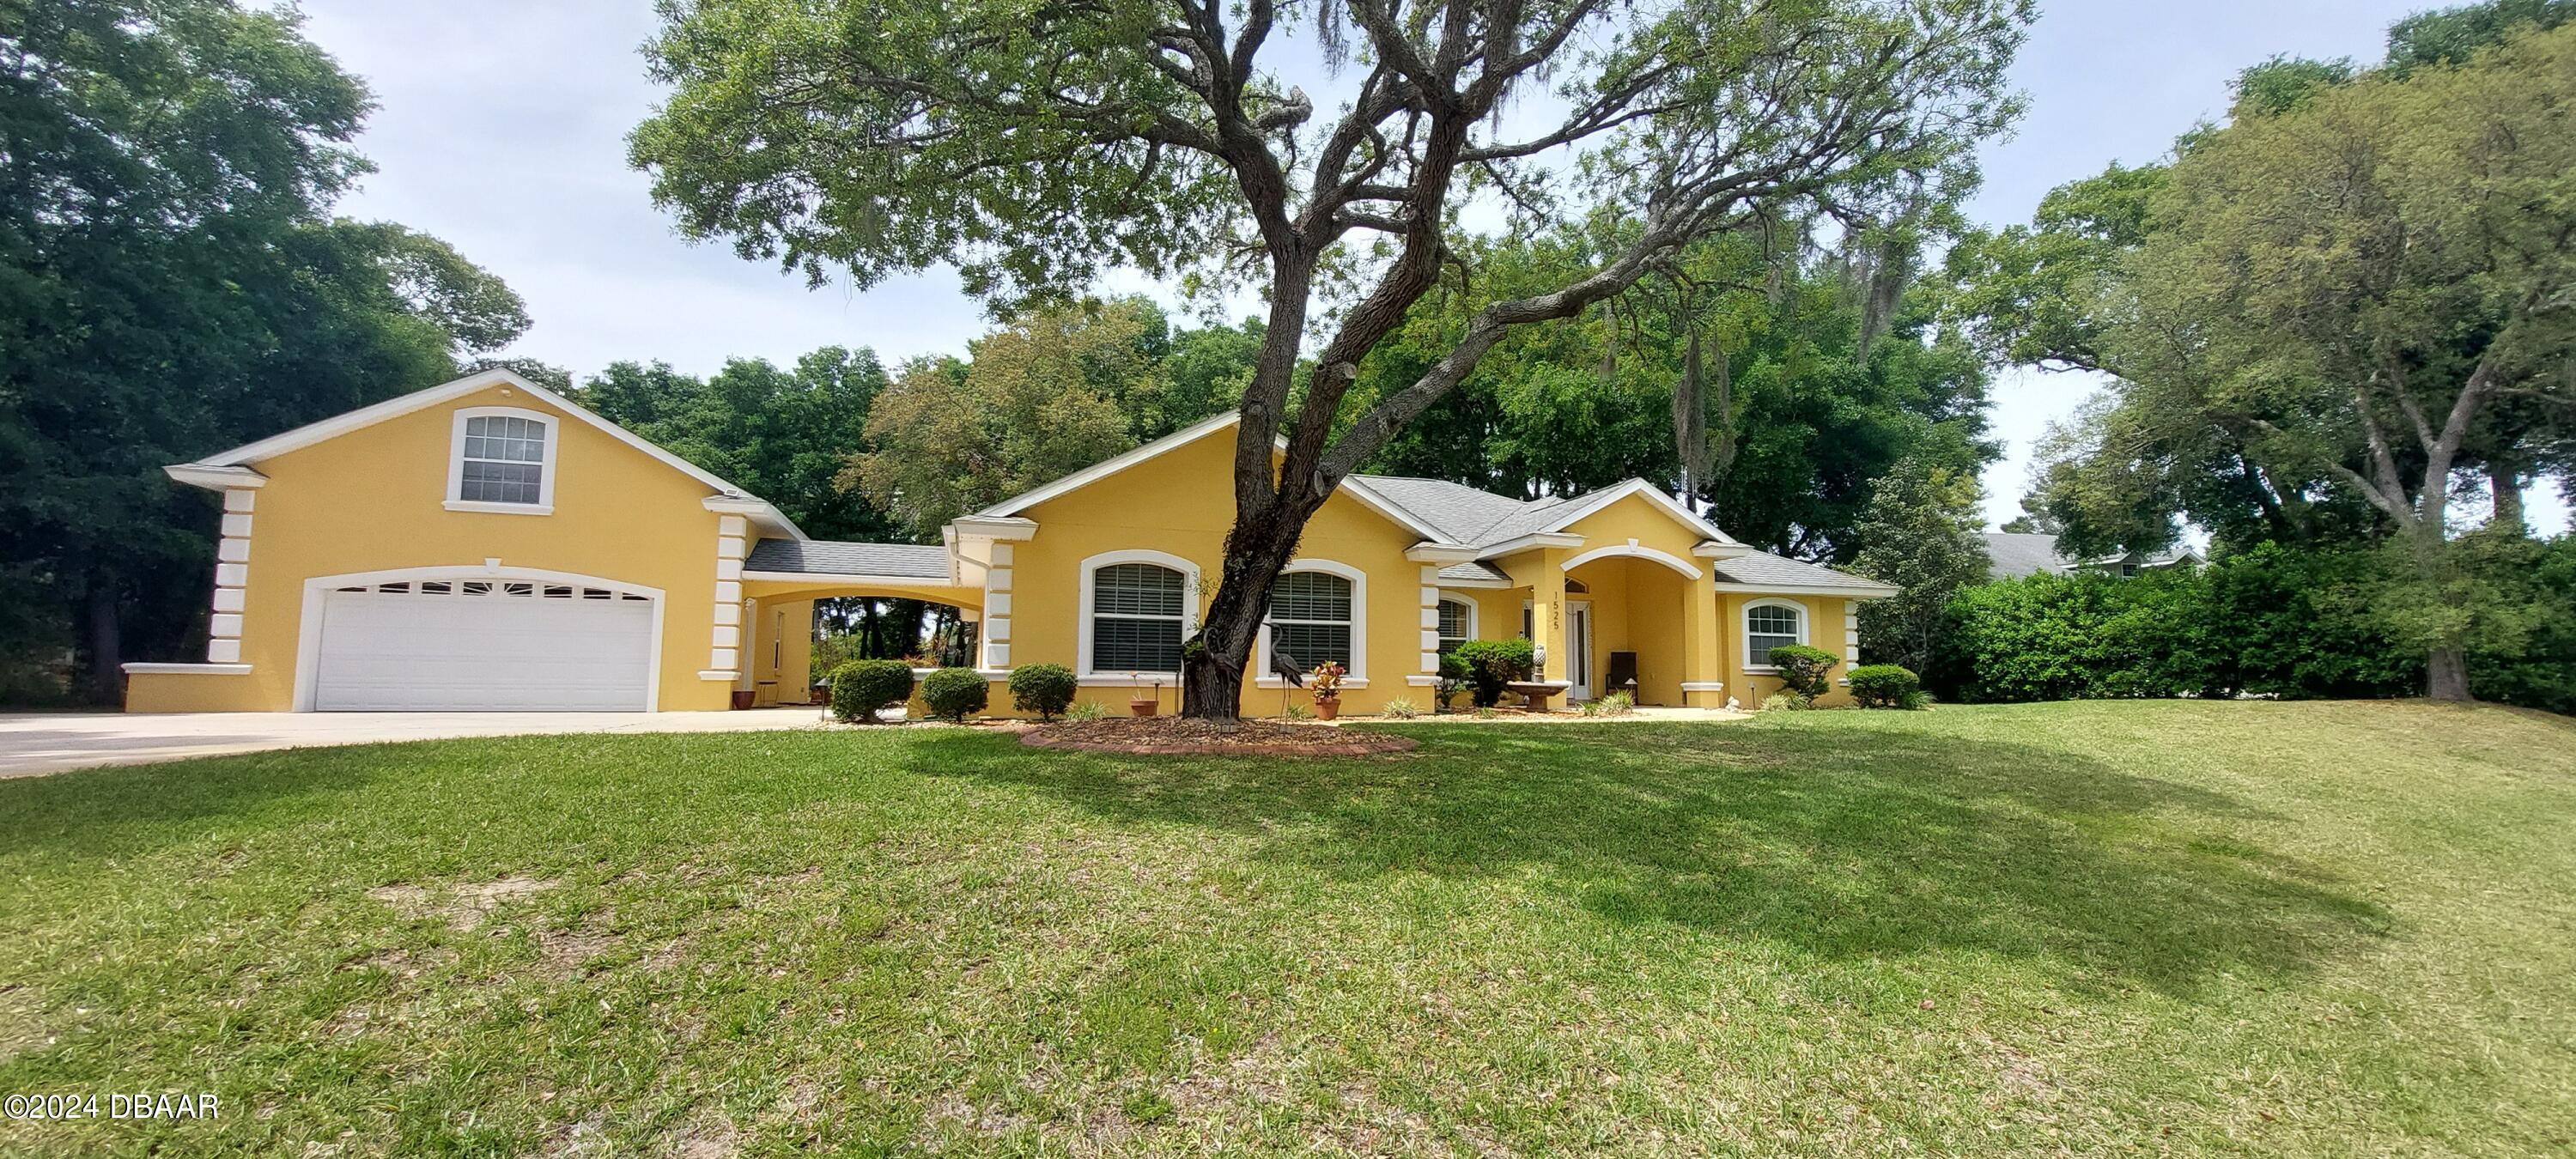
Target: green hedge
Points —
{"points": [[1883, 685], [1045, 689], [1803, 669], [2267, 621], [954, 693], [861, 687]]}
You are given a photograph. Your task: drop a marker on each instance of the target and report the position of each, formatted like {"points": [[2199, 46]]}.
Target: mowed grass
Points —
{"points": [[2163, 927]]}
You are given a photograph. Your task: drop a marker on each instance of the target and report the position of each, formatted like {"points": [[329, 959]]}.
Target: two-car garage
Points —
{"points": [[477, 643]]}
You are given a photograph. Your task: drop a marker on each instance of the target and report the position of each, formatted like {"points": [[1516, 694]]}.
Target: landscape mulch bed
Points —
{"points": [[1183, 736]]}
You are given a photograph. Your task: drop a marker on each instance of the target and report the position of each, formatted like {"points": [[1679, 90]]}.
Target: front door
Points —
{"points": [[1578, 640]]}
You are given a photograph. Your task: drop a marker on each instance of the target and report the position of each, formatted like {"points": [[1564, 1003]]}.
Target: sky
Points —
{"points": [[501, 128]]}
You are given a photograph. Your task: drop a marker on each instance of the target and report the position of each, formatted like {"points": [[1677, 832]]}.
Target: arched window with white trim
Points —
{"points": [[1457, 622], [1136, 613], [1771, 624], [1318, 612]]}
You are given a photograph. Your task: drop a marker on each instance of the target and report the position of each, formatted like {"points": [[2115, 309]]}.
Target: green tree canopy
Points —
{"points": [[2336, 305], [172, 282], [782, 432], [1920, 534], [1053, 390]]}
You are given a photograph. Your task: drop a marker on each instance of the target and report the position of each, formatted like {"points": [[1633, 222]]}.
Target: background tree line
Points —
{"points": [[2326, 325]]}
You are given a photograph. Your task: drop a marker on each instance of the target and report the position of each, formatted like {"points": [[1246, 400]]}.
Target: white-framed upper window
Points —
{"points": [[502, 459], [1771, 624], [1137, 607], [1318, 612], [1457, 622]]}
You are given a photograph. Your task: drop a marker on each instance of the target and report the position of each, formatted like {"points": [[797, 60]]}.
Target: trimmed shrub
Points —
{"points": [[1492, 664], [1451, 681], [861, 687], [1045, 689], [1883, 685], [1803, 668], [952, 693], [1787, 702]]}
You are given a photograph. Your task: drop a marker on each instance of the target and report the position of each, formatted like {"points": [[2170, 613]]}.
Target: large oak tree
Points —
{"points": [[1035, 145]]}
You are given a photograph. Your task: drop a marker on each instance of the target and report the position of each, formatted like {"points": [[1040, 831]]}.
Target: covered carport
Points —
{"points": [[782, 578]]}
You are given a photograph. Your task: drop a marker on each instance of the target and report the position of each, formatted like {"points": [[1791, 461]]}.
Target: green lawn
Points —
{"points": [[2171, 927]]}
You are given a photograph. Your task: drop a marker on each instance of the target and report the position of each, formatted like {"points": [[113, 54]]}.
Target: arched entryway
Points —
{"points": [[1627, 624]]}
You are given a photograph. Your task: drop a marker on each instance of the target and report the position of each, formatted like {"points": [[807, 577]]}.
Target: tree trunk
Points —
{"points": [[106, 641], [2506, 482], [2446, 675], [1259, 545]]}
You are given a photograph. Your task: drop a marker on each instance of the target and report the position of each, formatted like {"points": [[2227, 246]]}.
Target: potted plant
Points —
{"points": [[1327, 686], [1145, 703]]}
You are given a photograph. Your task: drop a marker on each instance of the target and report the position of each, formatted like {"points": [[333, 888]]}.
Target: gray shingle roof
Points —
{"points": [[826, 557], [1466, 515], [1763, 569], [1473, 572], [1458, 512], [2016, 554]]}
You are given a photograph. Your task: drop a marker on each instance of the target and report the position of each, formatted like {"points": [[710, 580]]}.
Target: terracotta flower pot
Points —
{"points": [[741, 698], [1328, 708], [1144, 707]]}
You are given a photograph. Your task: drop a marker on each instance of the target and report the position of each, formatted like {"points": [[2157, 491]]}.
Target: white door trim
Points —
{"points": [[308, 642], [1579, 627]]}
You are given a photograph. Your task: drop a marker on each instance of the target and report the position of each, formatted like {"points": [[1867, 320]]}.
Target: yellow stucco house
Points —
{"points": [[491, 545]]}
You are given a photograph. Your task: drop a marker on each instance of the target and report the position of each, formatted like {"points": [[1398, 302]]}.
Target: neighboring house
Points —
{"points": [[2017, 554], [491, 545]]}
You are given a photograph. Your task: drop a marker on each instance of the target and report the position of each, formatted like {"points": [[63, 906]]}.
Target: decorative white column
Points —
{"points": [[1429, 664], [232, 578], [724, 653], [995, 635]]}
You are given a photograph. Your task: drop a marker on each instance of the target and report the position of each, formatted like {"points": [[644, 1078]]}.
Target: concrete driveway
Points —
{"points": [[32, 744]]}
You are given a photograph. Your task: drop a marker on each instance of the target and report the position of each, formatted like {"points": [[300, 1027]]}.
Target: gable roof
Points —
{"points": [[1367, 496], [1775, 573], [1462, 513], [1440, 512], [2013, 554], [399, 405]]}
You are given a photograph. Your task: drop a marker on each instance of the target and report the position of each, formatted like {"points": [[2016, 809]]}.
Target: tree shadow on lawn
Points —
{"points": [[1850, 844]]}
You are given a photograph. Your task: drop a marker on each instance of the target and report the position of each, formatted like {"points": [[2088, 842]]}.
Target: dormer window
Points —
{"points": [[503, 460]]}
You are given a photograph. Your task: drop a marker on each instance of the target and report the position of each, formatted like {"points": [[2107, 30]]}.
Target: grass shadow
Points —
{"points": [[1843, 843]]}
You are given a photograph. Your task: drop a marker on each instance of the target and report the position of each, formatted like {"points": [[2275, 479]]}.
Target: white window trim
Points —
{"points": [[1466, 602], [1358, 675], [547, 470], [1083, 617], [1744, 624]]}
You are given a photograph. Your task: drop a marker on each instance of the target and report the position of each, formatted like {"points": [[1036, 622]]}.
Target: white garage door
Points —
{"points": [[484, 645]]}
